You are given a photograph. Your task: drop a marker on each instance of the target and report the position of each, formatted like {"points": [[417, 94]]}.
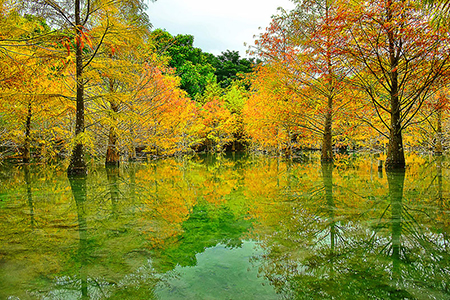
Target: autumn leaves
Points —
{"points": [[333, 74], [124, 89], [353, 73]]}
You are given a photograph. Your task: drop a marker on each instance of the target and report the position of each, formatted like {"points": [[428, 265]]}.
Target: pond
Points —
{"points": [[227, 227]]}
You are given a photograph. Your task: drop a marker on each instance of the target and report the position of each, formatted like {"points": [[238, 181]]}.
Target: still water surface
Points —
{"points": [[227, 227]]}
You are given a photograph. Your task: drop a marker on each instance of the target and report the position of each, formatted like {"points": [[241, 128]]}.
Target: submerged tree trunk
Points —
{"points": [[77, 164], [395, 155], [112, 152], [327, 146], [26, 153]]}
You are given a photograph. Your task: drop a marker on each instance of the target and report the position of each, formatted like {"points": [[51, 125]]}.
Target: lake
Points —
{"points": [[234, 226]]}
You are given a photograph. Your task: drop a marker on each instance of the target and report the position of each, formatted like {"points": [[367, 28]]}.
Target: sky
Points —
{"points": [[216, 25]]}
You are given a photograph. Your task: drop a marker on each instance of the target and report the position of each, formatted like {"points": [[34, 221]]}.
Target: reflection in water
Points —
{"points": [[26, 170], [440, 195], [396, 181], [327, 175], [316, 232], [78, 186], [112, 174], [366, 262]]}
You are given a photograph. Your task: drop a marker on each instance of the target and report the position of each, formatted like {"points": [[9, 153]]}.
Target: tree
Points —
{"points": [[79, 18], [398, 56], [434, 130], [219, 124], [192, 65], [439, 8], [229, 65], [118, 75], [273, 116], [303, 47], [31, 92], [163, 120]]}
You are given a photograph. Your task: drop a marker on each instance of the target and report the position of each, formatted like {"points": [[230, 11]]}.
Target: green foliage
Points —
{"points": [[196, 67], [229, 66], [191, 64], [212, 90], [235, 97]]}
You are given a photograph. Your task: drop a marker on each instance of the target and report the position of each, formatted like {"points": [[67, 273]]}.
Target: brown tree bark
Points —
{"points": [[112, 153], [395, 158]]}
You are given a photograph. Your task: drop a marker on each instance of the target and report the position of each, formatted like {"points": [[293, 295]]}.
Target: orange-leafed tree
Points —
{"points": [[163, 120], [116, 76], [219, 116], [397, 55], [304, 45], [219, 125]]}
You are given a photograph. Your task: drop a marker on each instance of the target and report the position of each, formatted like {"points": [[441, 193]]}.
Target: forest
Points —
{"points": [[92, 80]]}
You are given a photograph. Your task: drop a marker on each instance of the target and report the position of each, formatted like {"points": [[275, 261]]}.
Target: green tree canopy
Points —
{"points": [[229, 65], [192, 65]]}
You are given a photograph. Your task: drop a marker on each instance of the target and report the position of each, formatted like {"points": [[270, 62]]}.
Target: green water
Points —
{"points": [[227, 227]]}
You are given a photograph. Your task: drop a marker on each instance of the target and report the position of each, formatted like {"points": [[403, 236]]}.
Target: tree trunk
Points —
{"points": [[327, 147], [26, 153], [395, 156], [77, 164], [131, 145], [112, 153], [438, 149], [439, 183]]}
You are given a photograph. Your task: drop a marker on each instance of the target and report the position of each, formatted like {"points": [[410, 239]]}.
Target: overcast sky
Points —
{"points": [[216, 25]]}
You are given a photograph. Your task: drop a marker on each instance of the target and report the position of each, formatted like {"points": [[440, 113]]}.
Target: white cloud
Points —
{"points": [[216, 25]]}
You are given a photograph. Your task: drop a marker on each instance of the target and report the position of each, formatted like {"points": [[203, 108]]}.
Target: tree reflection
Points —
{"points": [[443, 209], [327, 175], [79, 192], [386, 250], [26, 170], [396, 181], [330, 232], [112, 174]]}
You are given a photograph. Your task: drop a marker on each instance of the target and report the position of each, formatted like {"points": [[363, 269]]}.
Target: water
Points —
{"points": [[227, 227]]}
